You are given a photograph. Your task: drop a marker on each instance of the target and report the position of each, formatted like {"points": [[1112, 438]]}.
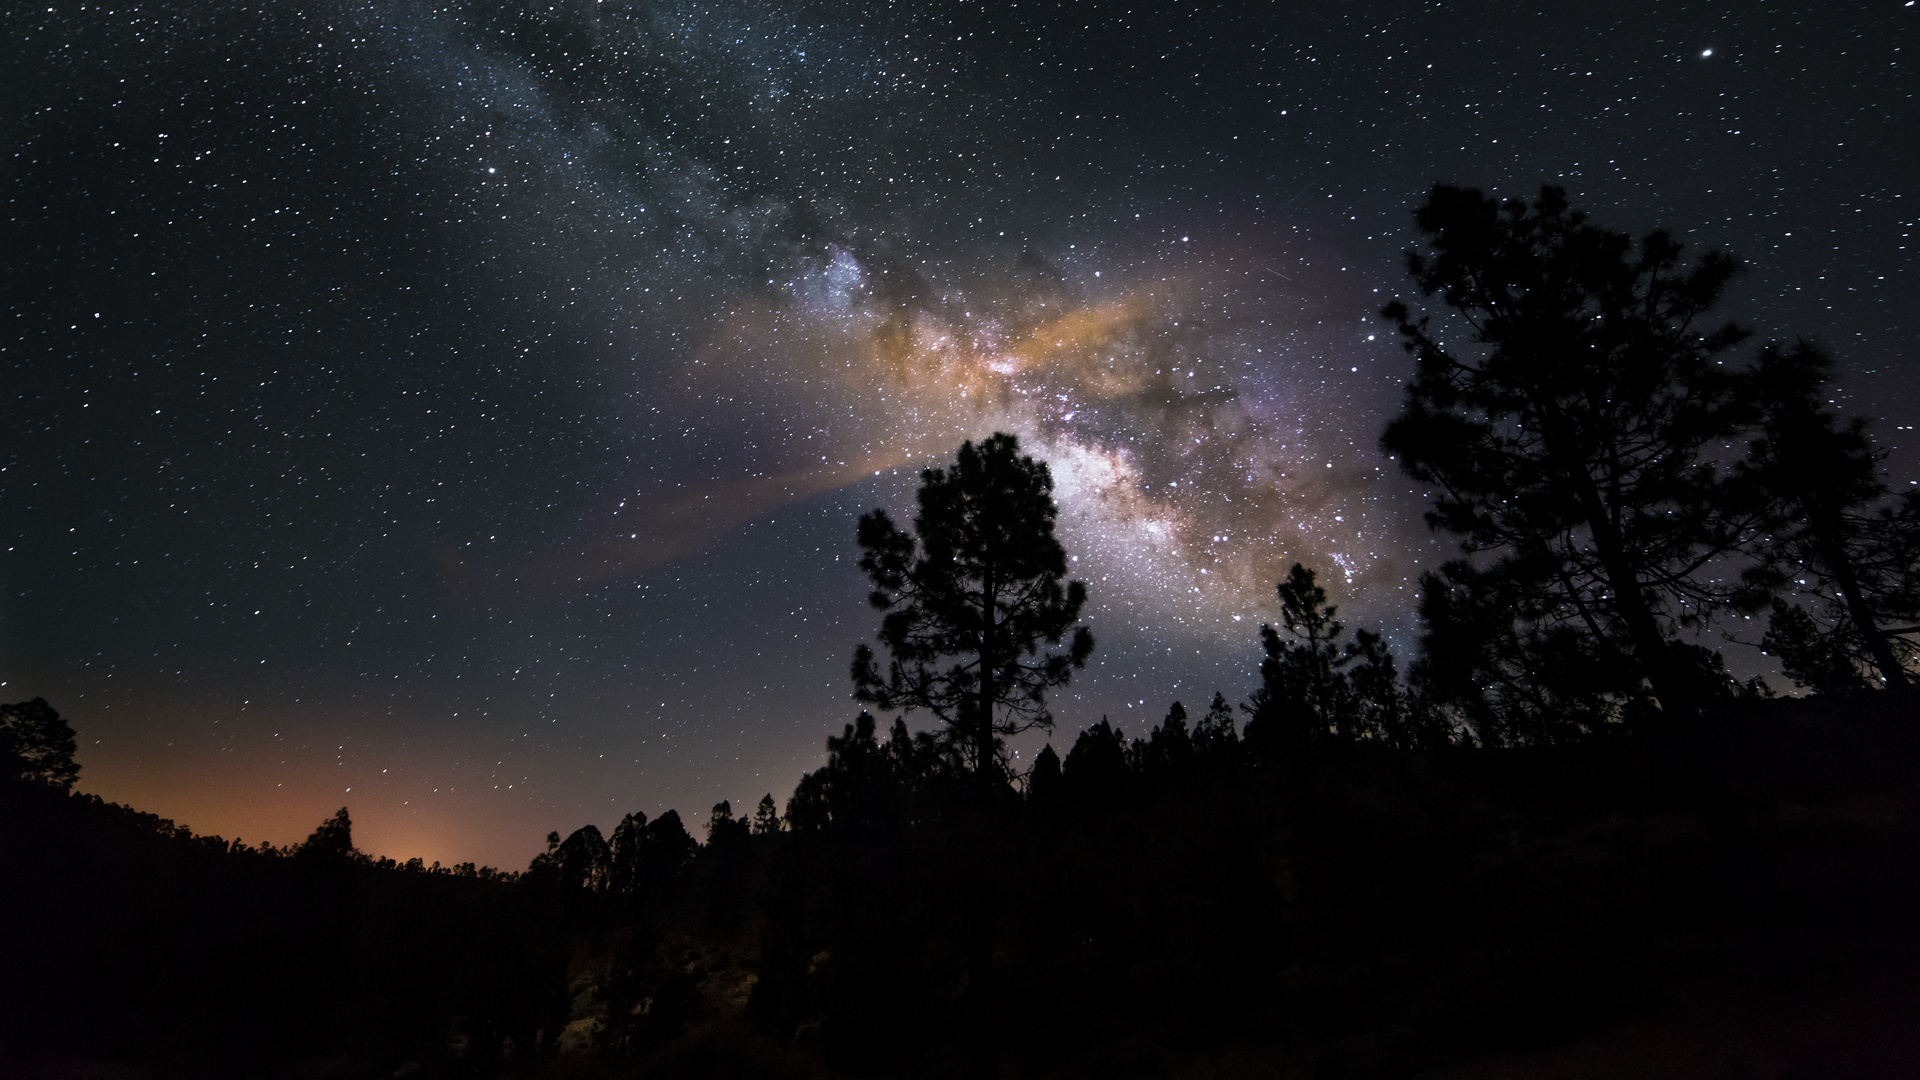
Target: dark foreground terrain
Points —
{"points": [[1741, 900]]}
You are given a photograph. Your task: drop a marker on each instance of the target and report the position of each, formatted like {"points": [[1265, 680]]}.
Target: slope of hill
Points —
{"points": [[1578, 910]]}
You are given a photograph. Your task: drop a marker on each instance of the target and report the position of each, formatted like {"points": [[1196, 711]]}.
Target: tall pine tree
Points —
{"points": [[977, 603], [1565, 416], [1837, 534]]}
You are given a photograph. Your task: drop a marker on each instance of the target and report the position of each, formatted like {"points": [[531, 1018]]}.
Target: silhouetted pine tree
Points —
{"points": [[1835, 536], [1567, 423], [583, 860], [1043, 780], [35, 744], [972, 598], [1304, 696], [1215, 735], [1097, 764], [766, 816], [723, 830], [665, 848], [624, 853], [1168, 747], [332, 841]]}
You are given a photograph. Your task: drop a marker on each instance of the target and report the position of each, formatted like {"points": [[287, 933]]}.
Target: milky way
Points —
{"points": [[461, 412]]}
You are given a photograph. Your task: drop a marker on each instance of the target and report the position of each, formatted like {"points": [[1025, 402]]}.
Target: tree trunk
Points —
{"points": [[981, 916], [1841, 566], [1649, 644], [1321, 669], [983, 731]]}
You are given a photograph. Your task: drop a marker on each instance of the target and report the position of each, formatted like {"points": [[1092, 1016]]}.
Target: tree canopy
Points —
{"points": [[1317, 684], [1567, 415], [332, 840], [977, 603], [35, 744], [1836, 534]]}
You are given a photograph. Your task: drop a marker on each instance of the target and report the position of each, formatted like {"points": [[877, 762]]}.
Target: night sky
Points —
{"points": [[460, 412]]}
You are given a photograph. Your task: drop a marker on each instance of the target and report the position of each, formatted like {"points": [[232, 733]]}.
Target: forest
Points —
{"points": [[1560, 821]]}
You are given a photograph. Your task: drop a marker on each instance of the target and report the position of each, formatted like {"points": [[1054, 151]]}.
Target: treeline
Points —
{"points": [[129, 939], [37, 746], [1177, 902]]}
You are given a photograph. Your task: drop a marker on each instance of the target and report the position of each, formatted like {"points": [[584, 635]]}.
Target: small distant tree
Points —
{"points": [[1835, 534], [766, 816], [1215, 734], [583, 860], [976, 600], [35, 744], [332, 841], [1097, 763], [1168, 746], [1043, 779], [869, 782], [1317, 685], [624, 852], [1567, 421], [542, 868], [668, 844], [723, 830], [1304, 696], [1379, 704]]}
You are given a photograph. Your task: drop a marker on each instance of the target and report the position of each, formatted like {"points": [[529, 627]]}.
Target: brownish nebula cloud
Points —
{"points": [[1133, 393]]}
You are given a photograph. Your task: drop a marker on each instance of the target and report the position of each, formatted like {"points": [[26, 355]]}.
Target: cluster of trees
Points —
{"points": [[1617, 480], [1583, 432], [641, 852], [1318, 687], [332, 842], [869, 783], [643, 855], [37, 747], [1102, 759]]}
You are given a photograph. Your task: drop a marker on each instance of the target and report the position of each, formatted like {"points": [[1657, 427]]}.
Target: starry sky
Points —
{"points": [[460, 411]]}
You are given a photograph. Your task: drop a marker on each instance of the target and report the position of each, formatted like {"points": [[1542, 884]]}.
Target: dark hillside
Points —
{"points": [[1351, 911], [129, 939]]}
